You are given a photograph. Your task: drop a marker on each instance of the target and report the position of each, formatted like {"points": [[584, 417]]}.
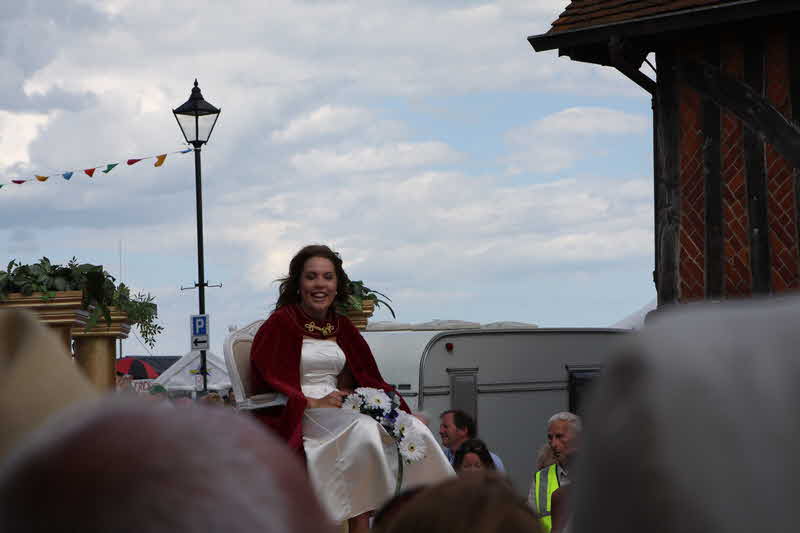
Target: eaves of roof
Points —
{"points": [[687, 19]]}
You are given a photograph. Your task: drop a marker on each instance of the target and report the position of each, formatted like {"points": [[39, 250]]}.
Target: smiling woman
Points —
{"points": [[316, 358]]}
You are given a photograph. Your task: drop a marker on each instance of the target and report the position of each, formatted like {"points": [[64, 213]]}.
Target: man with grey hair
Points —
{"points": [[563, 431], [126, 467]]}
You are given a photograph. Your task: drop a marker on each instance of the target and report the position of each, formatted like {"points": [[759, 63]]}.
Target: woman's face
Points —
{"points": [[317, 286], [471, 462]]}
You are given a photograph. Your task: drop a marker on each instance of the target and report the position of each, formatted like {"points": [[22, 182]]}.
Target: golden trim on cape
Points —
{"points": [[325, 330]]}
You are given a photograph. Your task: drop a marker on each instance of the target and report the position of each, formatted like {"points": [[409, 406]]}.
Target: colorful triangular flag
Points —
{"points": [[89, 171], [133, 161], [110, 167], [42, 178], [67, 175], [18, 182], [160, 160]]}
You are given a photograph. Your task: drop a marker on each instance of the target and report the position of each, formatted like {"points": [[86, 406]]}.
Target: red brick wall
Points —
{"points": [[781, 210], [691, 239], [735, 223], [781, 200]]}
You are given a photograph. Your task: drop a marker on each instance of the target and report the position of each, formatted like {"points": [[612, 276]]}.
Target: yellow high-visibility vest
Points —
{"points": [[545, 483]]}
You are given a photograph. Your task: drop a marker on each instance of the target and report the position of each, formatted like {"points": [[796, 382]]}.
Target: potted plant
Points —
{"points": [[100, 296], [73, 298], [362, 302]]}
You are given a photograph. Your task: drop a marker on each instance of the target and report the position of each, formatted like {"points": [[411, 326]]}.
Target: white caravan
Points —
{"points": [[511, 379]]}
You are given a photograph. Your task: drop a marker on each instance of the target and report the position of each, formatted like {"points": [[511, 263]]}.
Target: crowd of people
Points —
{"points": [[678, 412]]}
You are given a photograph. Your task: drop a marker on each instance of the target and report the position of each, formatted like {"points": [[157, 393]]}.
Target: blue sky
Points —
{"points": [[455, 169]]}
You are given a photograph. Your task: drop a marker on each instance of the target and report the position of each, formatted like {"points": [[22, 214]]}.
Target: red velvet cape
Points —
{"points": [[275, 360]]}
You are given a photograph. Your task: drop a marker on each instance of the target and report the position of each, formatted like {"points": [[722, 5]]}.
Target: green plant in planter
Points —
{"points": [[360, 292], [98, 286]]}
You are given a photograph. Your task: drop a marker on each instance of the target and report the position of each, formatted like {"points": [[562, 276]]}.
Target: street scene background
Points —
{"points": [[454, 170]]}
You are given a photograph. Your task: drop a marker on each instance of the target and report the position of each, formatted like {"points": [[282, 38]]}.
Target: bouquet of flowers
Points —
{"points": [[384, 408]]}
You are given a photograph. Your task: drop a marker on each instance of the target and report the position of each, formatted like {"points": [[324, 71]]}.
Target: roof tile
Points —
{"points": [[582, 14]]}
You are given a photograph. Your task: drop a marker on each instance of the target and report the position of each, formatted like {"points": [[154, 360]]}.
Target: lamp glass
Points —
{"points": [[205, 125]]}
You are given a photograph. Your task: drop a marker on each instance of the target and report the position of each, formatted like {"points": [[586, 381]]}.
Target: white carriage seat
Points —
{"points": [[237, 359]]}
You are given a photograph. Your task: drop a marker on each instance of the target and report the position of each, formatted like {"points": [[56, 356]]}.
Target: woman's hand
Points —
{"points": [[333, 399]]}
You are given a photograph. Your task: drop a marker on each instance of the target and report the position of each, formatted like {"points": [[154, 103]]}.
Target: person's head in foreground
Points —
{"points": [[563, 434], [473, 456], [316, 281], [476, 504], [694, 426], [126, 467]]}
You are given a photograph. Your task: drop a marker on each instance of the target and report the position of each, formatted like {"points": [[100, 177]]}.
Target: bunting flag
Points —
{"points": [[68, 174]]}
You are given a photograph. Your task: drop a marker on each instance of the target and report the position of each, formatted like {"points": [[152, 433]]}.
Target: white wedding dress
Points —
{"points": [[352, 460]]}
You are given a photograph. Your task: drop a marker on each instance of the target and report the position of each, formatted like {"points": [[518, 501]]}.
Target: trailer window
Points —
{"points": [[464, 390], [580, 383]]}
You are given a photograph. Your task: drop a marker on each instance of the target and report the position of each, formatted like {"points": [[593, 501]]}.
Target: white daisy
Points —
{"points": [[403, 425], [377, 399], [353, 402], [412, 448]]}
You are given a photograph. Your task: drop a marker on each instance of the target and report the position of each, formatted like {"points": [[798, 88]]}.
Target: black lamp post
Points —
{"points": [[196, 119]]}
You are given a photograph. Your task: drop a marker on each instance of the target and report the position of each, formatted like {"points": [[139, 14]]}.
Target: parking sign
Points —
{"points": [[198, 326]]}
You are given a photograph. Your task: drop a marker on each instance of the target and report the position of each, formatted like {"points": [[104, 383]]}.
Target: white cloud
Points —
{"points": [[585, 121], [415, 228], [17, 131], [560, 140], [323, 121], [373, 158]]}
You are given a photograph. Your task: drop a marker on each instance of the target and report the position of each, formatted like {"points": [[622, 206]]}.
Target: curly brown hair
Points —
{"points": [[289, 288]]}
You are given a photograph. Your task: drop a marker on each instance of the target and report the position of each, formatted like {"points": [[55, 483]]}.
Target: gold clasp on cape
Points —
{"points": [[326, 330]]}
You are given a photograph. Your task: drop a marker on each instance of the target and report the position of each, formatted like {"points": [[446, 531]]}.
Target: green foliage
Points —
{"points": [[98, 286], [142, 311], [360, 292]]}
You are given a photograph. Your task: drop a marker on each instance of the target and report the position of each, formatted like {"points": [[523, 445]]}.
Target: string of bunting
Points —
{"points": [[105, 169]]}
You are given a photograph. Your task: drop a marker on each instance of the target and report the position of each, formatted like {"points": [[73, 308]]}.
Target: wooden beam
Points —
{"points": [[656, 196], [667, 156], [760, 261], [794, 94], [714, 253], [748, 104], [621, 60]]}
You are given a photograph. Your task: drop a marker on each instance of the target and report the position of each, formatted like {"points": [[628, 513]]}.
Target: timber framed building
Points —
{"points": [[726, 101]]}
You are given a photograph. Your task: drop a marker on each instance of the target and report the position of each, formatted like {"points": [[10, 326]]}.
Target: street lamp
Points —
{"points": [[197, 118]]}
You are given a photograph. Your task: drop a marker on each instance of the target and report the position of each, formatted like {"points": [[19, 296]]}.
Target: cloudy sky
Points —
{"points": [[456, 170]]}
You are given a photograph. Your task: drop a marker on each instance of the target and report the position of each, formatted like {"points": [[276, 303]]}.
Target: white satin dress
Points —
{"points": [[352, 460]]}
